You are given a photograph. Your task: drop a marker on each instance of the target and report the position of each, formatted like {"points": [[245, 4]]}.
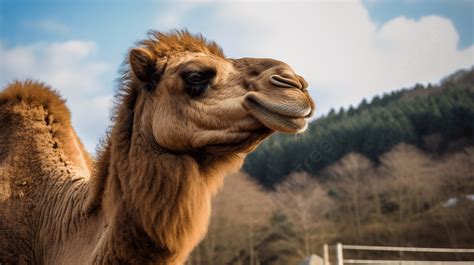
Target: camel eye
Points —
{"points": [[198, 77], [195, 77], [198, 82]]}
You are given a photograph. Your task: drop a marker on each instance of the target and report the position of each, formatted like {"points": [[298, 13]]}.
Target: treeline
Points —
{"points": [[410, 198], [435, 119]]}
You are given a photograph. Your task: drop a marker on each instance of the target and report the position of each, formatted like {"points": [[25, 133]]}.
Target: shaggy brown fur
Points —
{"points": [[185, 116]]}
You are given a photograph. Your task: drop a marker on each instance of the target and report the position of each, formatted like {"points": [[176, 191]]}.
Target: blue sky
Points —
{"points": [[460, 12], [347, 50]]}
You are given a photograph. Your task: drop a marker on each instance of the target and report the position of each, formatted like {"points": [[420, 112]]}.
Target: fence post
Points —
{"points": [[326, 254], [340, 260]]}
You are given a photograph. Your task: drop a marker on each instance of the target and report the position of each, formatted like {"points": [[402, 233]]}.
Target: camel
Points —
{"points": [[184, 116]]}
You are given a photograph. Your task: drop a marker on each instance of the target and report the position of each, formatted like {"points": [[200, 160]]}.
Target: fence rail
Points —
{"points": [[408, 249], [341, 261], [399, 262]]}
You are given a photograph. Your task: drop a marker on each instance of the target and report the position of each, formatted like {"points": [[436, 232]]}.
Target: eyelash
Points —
{"points": [[197, 90], [197, 83]]}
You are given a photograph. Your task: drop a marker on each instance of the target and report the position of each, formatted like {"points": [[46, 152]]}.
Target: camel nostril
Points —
{"points": [[281, 81]]}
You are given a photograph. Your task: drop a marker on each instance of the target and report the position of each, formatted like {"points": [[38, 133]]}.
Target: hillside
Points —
{"points": [[436, 119], [409, 199]]}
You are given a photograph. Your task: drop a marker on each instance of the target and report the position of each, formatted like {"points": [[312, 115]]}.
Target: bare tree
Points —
{"points": [[305, 203], [458, 172], [350, 178], [240, 210], [414, 180]]}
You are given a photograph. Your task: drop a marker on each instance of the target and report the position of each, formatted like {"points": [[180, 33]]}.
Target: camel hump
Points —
{"points": [[35, 94]]}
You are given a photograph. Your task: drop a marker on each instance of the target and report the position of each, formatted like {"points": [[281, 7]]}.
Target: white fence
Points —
{"points": [[341, 260]]}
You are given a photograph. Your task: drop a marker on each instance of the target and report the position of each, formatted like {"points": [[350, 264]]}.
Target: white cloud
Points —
{"points": [[334, 45], [48, 25], [69, 68]]}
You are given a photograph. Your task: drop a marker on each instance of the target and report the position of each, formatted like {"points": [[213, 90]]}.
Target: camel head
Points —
{"points": [[194, 98]]}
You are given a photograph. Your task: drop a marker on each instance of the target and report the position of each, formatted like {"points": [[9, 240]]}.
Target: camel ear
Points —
{"points": [[143, 64]]}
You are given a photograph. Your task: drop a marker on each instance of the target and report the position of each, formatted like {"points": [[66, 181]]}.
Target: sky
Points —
{"points": [[346, 50]]}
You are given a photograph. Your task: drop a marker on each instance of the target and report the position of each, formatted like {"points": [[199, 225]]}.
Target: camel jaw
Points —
{"points": [[281, 117]]}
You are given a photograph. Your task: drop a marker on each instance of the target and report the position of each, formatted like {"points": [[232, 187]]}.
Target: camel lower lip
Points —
{"points": [[277, 121]]}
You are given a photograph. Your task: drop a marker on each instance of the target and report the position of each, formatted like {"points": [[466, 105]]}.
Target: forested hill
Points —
{"points": [[436, 119]]}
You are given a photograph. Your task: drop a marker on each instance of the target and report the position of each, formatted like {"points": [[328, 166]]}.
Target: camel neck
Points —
{"points": [[153, 200], [157, 200]]}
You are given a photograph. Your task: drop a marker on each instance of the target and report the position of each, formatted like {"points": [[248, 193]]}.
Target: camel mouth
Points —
{"points": [[281, 118]]}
